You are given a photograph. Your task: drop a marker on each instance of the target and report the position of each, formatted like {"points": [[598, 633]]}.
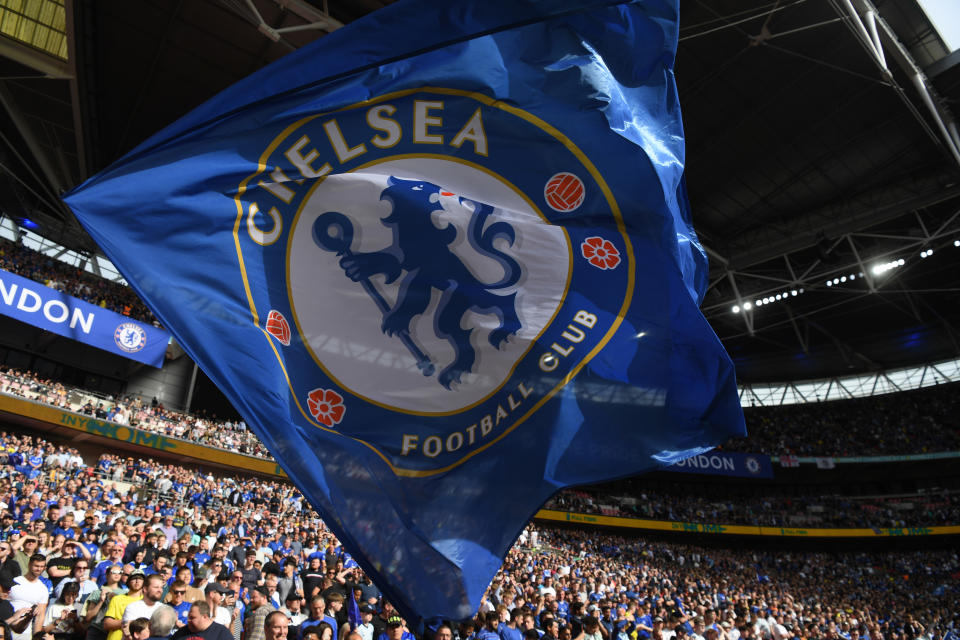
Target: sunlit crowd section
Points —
{"points": [[908, 423]]}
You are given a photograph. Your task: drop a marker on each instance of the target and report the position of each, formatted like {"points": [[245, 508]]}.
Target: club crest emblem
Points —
{"points": [[438, 282], [420, 251], [130, 337]]}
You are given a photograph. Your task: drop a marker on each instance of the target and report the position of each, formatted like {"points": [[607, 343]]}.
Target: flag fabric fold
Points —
{"points": [[442, 262]]}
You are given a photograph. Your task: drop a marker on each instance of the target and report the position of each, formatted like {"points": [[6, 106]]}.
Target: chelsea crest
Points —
{"points": [[130, 337], [439, 266]]}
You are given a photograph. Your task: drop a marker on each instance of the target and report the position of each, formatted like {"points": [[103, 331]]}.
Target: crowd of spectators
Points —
{"points": [[177, 485], [941, 508], [229, 551], [73, 281], [231, 435], [668, 591], [908, 422], [819, 511]]}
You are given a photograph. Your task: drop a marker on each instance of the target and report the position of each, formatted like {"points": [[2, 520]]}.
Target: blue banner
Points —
{"points": [[52, 310], [724, 463], [441, 260]]}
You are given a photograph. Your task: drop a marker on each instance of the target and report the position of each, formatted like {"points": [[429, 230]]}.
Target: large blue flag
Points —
{"points": [[441, 260]]}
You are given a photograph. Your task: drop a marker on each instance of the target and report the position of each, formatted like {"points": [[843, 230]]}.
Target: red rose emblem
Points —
{"points": [[326, 406], [601, 253]]}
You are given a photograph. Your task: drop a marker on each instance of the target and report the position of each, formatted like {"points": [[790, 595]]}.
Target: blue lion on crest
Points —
{"points": [[420, 251]]}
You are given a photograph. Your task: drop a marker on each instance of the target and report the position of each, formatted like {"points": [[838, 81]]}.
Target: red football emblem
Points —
{"points": [[326, 406], [564, 192], [278, 327]]}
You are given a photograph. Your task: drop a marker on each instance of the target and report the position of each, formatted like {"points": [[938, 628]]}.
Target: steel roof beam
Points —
{"points": [[873, 32], [318, 19], [38, 61], [18, 118], [78, 121], [813, 278], [838, 219]]}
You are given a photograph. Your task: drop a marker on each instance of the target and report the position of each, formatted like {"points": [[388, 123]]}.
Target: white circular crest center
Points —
{"points": [[341, 323]]}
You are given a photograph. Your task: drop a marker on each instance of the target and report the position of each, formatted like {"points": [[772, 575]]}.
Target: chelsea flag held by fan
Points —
{"points": [[441, 260]]}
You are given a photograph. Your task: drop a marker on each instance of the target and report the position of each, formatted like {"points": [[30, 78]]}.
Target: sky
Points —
{"points": [[945, 16]]}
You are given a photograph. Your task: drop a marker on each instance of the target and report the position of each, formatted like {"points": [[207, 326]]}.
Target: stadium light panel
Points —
{"points": [[41, 24], [879, 269]]}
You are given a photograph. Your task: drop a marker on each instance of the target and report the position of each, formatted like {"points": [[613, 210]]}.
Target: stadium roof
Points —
{"points": [[821, 154]]}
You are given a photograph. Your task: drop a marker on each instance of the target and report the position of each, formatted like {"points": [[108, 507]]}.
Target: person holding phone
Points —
{"points": [[29, 591], [62, 617], [12, 621], [97, 603]]}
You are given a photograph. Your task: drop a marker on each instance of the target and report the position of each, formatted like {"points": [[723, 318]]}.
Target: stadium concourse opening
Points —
{"points": [[823, 173]]}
